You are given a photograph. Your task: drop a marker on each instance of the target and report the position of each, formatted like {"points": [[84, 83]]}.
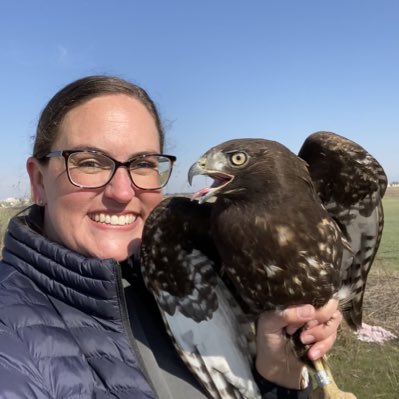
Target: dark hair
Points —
{"points": [[78, 92]]}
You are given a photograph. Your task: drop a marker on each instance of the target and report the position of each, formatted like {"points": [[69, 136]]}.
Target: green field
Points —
{"points": [[5, 215], [368, 370], [371, 370], [388, 253]]}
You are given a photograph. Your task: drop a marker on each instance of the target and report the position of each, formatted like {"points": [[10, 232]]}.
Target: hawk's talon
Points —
{"points": [[327, 388]]}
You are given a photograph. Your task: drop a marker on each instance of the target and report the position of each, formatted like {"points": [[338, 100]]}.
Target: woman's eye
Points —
{"points": [[143, 164], [90, 163], [238, 158]]}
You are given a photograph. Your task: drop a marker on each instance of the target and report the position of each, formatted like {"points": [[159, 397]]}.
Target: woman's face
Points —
{"points": [[121, 127]]}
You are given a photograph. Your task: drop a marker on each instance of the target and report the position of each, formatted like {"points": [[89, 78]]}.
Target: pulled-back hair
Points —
{"points": [[78, 92]]}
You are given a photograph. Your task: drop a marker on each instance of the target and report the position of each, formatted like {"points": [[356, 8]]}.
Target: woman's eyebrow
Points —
{"points": [[105, 152], [85, 148], [138, 154]]}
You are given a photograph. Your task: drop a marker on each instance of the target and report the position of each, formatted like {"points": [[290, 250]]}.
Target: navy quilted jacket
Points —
{"points": [[64, 329]]}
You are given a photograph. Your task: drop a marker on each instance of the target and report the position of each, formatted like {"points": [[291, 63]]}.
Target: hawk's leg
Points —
{"points": [[327, 389]]}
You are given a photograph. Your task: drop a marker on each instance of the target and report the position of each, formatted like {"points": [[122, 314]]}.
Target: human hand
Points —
{"points": [[275, 359]]}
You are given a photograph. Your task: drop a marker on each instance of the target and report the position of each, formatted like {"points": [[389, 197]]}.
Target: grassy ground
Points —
{"points": [[368, 370], [5, 215]]}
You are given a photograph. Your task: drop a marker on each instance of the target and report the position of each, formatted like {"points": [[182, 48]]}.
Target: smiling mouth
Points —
{"points": [[220, 180], [114, 220]]}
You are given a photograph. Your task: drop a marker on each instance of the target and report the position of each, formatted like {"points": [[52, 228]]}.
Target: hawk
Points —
{"points": [[274, 230]]}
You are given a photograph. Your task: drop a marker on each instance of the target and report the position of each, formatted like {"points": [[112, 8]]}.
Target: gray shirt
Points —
{"points": [[170, 377]]}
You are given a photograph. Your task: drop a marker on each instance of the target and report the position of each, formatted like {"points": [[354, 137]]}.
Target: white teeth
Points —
{"points": [[114, 220]]}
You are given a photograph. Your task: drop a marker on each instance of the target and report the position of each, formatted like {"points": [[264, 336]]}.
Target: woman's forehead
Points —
{"points": [[108, 122]]}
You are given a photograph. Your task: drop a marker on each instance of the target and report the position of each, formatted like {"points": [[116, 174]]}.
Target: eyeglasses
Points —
{"points": [[93, 169]]}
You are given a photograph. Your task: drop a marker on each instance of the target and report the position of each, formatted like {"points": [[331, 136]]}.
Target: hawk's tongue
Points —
{"points": [[200, 193]]}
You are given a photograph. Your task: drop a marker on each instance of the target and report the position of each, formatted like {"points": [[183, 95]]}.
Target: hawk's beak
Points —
{"points": [[205, 166], [196, 169]]}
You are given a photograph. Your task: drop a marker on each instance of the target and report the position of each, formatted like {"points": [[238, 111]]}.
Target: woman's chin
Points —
{"points": [[107, 250]]}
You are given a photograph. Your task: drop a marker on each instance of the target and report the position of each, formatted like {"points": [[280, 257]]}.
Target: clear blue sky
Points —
{"points": [[218, 69]]}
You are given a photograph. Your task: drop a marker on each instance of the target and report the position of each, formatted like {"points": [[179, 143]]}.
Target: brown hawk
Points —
{"points": [[283, 230]]}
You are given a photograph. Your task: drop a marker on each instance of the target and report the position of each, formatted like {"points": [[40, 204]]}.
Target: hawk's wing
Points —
{"points": [[180, 267], [351, 184]]}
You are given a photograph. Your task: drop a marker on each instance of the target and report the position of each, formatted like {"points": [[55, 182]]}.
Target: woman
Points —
{"points": [[76, 320]]}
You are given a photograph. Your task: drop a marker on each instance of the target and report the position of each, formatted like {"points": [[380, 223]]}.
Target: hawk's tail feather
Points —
{"points": [[347, 296]]}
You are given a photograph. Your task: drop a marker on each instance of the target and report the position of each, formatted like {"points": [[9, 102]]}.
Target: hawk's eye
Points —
{"points": [[238, 158]]}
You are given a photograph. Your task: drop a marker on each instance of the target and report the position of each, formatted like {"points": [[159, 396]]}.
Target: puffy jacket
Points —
{"points": [[64, 328]]}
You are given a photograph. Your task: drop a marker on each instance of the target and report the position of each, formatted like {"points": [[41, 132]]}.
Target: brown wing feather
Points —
{"points": [[351, 184]]}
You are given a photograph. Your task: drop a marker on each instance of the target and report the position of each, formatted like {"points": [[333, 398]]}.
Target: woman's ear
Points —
{"points": [[35, 171]]}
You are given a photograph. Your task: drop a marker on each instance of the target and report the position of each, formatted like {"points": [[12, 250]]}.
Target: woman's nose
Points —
{"points": [[121, 187]]}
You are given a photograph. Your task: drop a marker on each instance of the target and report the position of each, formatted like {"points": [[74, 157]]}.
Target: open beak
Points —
{"points": [[220, 180]]}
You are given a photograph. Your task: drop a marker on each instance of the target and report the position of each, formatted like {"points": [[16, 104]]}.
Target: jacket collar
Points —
{"points": [[80, 281]]}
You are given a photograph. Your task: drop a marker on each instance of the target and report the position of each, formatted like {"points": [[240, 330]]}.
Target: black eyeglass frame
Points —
{"points": [[117, 164]]}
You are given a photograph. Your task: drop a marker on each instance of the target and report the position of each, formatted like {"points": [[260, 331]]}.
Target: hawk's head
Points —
{"points": [[237, 165]]}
